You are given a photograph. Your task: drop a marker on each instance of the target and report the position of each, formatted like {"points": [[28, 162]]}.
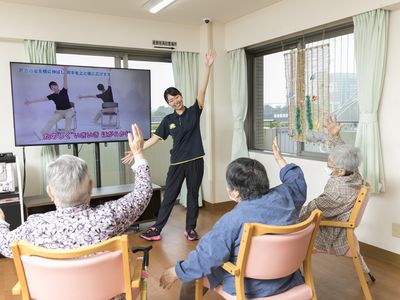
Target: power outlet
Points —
{"points": [[396, 230]]}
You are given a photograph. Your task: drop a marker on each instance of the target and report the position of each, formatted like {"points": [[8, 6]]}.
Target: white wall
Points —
{"points": [[290, 16], [287, 17], [14, 51], [41, 23]]}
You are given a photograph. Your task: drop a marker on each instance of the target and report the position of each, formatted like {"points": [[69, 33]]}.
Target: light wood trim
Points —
{"points": [[357, 264], [199, 289], [137, 273], [16, 290], [340, 224], [231, 268]]}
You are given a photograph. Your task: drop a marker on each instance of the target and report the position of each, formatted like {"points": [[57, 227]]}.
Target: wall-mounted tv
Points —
{"points": [[56, 104]]}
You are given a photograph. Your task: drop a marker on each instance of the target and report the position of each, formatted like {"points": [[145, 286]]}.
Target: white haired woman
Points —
{"points": [[74, 223], [340, 192]]}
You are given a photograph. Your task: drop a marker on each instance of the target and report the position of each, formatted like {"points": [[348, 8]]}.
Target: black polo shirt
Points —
{"points": [[107, 95], [61, 99], [185, 132]]}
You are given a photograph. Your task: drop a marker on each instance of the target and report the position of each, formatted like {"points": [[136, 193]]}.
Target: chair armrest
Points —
{"points": [[231, 268], [16, 290], [137, 273], [336, 224]]}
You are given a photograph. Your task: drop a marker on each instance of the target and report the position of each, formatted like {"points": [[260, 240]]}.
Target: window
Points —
{"points": [[162, 77], [318, 71]]}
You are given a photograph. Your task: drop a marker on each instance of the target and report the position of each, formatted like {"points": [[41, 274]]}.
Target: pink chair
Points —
{"points": [[272, 252], [100, 271]]}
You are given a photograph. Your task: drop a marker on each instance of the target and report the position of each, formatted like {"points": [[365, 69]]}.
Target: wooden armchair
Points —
{"points": [[100, 271], [271, 252], [350, 226]]}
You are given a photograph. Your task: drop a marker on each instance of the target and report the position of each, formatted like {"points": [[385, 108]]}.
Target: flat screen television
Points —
{"points": [[57, 104]]}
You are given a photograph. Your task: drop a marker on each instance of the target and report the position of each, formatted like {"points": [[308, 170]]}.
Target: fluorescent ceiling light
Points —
{"points": [[160, 5]]}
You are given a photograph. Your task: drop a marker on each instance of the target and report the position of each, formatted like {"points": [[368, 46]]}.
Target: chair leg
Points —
{"points": [[199, 289], [366, 269], [358, 266]]}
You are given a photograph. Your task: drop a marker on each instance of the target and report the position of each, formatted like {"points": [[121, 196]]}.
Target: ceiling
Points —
{"points": [[191, 12]]}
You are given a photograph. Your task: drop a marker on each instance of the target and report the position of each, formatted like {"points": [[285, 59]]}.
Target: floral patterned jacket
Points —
{"points": [[78, 226]]}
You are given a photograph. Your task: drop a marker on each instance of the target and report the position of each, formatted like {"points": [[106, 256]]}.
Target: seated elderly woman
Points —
{"points": [[74, 223], [248, 184], [340, 192]]}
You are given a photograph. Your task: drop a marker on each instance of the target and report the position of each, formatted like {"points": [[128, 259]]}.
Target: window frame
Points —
{"points": [[289, 42]]}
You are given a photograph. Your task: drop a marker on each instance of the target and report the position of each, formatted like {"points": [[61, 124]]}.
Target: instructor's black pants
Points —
{"points": [[192, 171]]}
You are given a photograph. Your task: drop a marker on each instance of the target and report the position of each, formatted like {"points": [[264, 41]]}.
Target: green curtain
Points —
{"points": [[370, 42], [43, 52], [238, 79], [185, 66]]}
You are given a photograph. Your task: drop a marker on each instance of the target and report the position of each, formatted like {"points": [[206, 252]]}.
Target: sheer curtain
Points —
{"points": [[238, 78], [185, 66], [43, 52], [370, 42]]}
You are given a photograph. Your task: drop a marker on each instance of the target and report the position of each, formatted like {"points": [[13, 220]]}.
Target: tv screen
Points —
{"points": [[56, 104]]}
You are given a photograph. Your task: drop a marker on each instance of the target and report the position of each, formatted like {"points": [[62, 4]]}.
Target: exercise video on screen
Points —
{"points": [[56, 104]]}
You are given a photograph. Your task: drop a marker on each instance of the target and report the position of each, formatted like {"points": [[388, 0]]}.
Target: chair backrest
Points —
{"points": [[278, 251], [360, 204], [100, 271], [109, 104]]}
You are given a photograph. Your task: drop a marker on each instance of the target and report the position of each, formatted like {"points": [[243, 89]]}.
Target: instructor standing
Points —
{"points": [[186, 155]]}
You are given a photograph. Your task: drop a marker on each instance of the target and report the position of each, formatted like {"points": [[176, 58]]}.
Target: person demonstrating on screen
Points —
{"points": [[106, 95], [64, 109], [186, 155], [248, 184], [75, 223]]}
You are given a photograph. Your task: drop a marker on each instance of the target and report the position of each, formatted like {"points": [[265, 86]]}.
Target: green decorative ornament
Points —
{"points": [[309, 113], [298, 120]]}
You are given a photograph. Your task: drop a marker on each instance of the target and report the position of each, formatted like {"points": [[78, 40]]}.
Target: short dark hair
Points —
{"points": [[52, 83], [100, 87], [248, 177], [171, 91]]}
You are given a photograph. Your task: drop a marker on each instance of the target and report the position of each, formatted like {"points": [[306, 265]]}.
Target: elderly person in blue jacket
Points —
{"points": [[247, 184]]}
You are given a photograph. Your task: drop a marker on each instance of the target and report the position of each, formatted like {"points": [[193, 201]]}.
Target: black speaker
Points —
{"points": [[12, 211]]}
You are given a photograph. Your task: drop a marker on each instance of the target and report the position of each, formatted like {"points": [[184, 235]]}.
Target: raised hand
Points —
{"points": [[332, 126], [277, 153], [128, 158], [210, 57], [136, 141]]}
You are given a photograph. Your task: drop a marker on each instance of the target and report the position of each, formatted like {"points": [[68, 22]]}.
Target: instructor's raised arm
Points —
{"points": [[209, 61], [65, 83]]}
